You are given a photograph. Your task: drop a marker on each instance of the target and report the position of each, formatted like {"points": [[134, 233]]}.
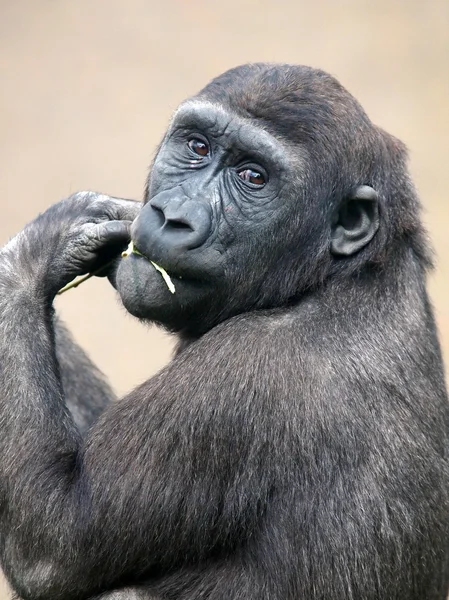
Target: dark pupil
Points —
{"points": [[198, 147], [253, 177]]}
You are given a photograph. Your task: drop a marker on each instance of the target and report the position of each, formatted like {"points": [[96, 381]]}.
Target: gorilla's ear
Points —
{"points": [[357, 222]]}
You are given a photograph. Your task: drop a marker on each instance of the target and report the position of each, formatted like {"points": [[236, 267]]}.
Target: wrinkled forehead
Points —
{"points": [[217, 120]]}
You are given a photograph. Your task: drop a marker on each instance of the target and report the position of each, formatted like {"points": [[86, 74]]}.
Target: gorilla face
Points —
{"points": [[244, 206], [217, 191]]}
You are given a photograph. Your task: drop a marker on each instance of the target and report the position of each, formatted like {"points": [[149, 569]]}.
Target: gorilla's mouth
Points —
{"points": [[165, 276]]}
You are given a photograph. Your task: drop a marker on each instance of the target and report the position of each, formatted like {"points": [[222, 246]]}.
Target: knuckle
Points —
{"points": [[93, 202], [101, 201], [83, 196], [88, 232], [102, 206]]}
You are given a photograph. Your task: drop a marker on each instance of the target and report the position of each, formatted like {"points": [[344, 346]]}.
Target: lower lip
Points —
{"points": [[167, 279]]}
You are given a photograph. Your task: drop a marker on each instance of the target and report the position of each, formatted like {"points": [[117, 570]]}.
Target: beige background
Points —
{"points": [[87, 87]]}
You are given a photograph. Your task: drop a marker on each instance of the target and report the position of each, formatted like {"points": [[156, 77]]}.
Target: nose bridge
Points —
{"points": [[169, 201], [190, 192], [200, 185]]}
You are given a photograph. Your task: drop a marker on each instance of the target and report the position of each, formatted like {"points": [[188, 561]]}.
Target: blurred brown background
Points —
{"points": [[87, 88]]}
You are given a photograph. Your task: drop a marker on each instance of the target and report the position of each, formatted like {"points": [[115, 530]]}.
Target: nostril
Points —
{"points": [[170, 223], [158, 213], [178, 224]]}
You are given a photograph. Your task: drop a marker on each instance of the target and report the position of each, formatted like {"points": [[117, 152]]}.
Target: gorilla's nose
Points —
{"points": [[170, 224]]}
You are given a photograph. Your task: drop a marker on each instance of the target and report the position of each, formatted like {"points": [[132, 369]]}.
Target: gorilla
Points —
{"points": [[296, 447]]}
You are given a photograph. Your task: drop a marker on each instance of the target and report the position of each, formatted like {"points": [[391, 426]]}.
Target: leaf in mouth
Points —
{"points": [[165, 276]]}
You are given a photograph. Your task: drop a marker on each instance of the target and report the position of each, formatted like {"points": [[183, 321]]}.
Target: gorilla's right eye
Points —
{"points": [[255, 178], [198, 147]]}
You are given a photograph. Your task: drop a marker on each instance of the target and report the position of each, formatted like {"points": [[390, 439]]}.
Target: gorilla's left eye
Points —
{"points": [[252, 176], [198, 147]]}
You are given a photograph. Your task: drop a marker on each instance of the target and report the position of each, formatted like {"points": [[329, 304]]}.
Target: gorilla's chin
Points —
{"points": [[142, 288], [145, 294]]}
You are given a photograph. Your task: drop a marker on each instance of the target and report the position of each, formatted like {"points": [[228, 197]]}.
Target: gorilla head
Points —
{"points": [[267, 183]]}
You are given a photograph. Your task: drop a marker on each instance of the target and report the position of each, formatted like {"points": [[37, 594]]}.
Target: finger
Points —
{"points": [[112, 232], [107, 240], [122, 209], [98, 205]]}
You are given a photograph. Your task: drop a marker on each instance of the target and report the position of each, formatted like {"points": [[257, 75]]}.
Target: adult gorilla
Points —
{"points": [[296, 446]]}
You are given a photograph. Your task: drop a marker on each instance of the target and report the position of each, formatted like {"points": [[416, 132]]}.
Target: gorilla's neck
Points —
{"points": [[378, 297]]}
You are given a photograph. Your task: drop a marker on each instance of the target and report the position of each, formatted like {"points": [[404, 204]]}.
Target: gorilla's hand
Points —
{"points": [[75, 236]]}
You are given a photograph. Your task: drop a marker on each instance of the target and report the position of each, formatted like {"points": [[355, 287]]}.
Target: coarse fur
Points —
{"points": [[296, 447]]}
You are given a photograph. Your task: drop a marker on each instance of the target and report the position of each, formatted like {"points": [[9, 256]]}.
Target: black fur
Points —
{"points": [[296, 446]]}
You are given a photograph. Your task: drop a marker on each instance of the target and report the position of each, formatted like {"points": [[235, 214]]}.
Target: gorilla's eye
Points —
{"points": [[198, 147], [251, 176]]}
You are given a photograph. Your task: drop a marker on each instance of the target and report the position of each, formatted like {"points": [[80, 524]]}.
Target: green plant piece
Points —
{"points": [[165, 276]]}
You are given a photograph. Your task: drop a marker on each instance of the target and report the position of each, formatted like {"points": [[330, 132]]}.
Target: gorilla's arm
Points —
{"points": [[154, 484], [86, 391]]}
